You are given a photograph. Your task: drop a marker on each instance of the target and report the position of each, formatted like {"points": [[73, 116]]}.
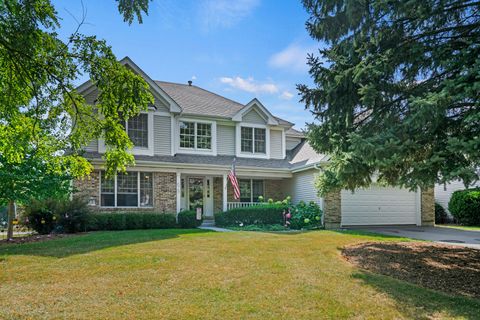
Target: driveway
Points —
{"points": [[437, 234]]}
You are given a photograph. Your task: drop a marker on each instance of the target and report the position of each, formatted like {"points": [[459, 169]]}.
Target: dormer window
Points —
{"points": [[195, 135], [137, 129], [253, 140]]}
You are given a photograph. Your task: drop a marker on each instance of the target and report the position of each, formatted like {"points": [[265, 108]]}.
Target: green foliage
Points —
{"points": [[396, 91], [131, 9], [464, 205], [40, 216], [256, 215], [130, 221], [305, 216], [260, 227], [57, 215], [188, 219], [440, 214]]}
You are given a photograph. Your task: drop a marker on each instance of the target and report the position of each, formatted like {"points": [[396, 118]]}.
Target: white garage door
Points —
{"points": [[379, 206]]}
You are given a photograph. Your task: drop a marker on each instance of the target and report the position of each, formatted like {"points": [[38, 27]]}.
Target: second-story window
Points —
{"points": [[137, 130], [195, 135], [253, 140]]}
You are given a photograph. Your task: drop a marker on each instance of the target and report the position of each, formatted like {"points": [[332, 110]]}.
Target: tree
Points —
{"points": [[397, 91], [44, 122]]}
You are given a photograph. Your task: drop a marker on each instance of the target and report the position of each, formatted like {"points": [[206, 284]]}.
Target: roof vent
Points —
{"points": [[190, 83]]}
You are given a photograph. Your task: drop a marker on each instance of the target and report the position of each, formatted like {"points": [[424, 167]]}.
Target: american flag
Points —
{"points": [[233, 180]]}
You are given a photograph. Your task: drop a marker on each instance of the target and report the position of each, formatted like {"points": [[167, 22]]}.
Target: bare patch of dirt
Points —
{"points": [[36, 238], [450, 269]]}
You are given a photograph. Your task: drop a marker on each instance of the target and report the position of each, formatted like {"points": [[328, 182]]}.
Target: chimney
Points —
{"points": [[190, 83]]}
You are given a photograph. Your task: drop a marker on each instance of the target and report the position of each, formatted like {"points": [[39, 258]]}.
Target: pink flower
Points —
{"points": [[288, 215]]}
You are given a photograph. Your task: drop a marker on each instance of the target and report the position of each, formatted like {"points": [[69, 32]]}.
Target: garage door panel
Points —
{"points": [[379, 206]]}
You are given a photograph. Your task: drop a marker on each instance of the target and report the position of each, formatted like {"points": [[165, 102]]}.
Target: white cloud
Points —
{"points": [[293, 58], [249, 85], [225, 13], [286, 95], [194, 77]]}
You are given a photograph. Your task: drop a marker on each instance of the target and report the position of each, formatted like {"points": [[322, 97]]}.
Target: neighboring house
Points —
{"points": [[443, 192], [184, 148]]}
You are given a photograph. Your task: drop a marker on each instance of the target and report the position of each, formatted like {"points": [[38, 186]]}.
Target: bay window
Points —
{"points": [[131, 189], [253, 140], [195, 135], [250, 190]]}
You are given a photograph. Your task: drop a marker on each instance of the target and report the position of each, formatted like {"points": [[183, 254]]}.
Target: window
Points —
{"points": [[250, 190], [137, 129], [195, 135], [253, 140], [131, 189]]}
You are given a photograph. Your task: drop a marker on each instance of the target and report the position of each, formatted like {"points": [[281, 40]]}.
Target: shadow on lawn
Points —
{"points": [[418, 303], [64, 247]]}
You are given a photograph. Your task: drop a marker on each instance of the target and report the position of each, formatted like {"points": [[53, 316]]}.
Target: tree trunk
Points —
{"points": [[11, 216]]}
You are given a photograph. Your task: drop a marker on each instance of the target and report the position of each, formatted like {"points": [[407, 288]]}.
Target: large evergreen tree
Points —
{"points": [[44, 122], [397, 91]]}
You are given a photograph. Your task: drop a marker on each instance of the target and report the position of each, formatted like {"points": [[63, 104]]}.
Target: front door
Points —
{"points": [[200, 195], [195, 193]]}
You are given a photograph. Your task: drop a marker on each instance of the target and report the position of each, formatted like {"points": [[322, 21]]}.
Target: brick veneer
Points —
{"points": [[428, 207], [164, 192], [273, 189], [332, 210]]}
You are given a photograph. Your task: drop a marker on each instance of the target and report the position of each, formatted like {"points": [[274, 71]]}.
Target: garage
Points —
{"points": [[379, 205]]}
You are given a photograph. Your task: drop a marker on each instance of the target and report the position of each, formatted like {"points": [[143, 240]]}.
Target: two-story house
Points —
{"points": [[185, 146]]}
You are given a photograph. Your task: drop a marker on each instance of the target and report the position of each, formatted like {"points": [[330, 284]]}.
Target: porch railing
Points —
{"points": [[234, 205]]}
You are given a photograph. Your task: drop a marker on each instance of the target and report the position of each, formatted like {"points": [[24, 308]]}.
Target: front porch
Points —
{"points": [[214, 193]]}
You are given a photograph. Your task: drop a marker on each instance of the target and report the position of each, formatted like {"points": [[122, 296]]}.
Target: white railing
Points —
{"points": [[234, 205]]}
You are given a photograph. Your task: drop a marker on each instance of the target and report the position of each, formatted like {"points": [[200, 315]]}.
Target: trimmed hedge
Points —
{"points": [[130, 221], [255, 215], [188, 219], [464, 205]]}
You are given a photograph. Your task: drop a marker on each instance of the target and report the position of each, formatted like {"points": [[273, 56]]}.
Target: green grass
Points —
{"points": [[456, 226], [265, 227], [193, 274]]}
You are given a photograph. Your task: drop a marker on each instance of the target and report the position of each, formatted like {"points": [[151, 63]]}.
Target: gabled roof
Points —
{"points": [[294, 133], [303, 156], [174, 107], [252, 104], [197, 101]]}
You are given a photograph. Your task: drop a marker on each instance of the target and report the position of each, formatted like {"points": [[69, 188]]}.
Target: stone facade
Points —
{"points": [[164, 192], [217, 194], [428, 207], [332, 208]]}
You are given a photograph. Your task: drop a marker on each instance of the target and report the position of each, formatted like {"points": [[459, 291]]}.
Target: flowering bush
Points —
{"points": [[303, 216]]}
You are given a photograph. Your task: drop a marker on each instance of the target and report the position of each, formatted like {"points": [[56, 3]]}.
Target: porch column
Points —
{"points": [[224, 193], [179, 191]]}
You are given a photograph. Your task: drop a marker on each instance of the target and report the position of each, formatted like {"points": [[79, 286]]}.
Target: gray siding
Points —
{"points": [[292, 142], [253, 117], [161, 106], [162, 135], [302, 187], [443, 194], [276, 146], [92, 146], [226, 140], [91, 97]]}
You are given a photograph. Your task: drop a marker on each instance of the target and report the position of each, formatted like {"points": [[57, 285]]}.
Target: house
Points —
{"points": [[443, 192], [186, 143]]}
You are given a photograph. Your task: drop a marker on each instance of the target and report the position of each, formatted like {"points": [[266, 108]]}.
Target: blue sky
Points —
{"points": [[240, 49]]}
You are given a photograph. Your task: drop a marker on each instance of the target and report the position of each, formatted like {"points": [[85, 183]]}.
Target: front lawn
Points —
{"points": [[193, 274]]}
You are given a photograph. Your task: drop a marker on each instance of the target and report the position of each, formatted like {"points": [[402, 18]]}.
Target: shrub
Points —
{"points": [[255, 215], [305, 216], [188, 219], [464, 205], [72, 214], [440, 214], [130, 220], [40, 215]]}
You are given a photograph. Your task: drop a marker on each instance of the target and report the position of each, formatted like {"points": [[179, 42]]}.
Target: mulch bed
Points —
{"points": [[450, 269], [35, 238]]}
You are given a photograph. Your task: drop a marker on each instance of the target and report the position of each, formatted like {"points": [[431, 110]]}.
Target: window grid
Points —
{"points": [[131, 189], [253, 140], [259, 140], [195, 135], [247, 139], [137, 128], [250, 190]]}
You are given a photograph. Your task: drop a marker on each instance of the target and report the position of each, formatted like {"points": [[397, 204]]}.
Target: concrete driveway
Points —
{"points": [[437, 234]]}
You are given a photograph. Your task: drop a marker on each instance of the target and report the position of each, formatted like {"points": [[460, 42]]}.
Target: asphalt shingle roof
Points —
{"points": [[198, 101]]}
